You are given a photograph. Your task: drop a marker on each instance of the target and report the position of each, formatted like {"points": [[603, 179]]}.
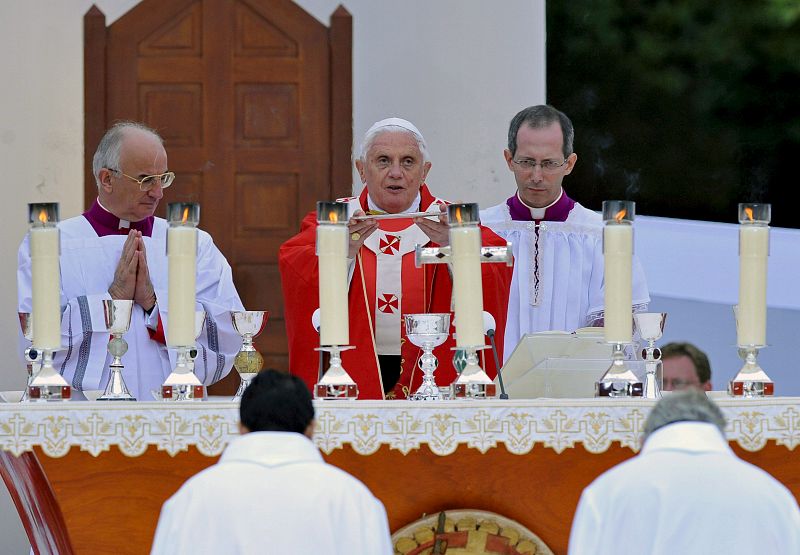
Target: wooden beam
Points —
{"points": [[341, 43], [94, 94]]}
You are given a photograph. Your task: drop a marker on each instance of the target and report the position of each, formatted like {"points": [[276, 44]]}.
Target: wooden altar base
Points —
{"points": [[110, 503]]}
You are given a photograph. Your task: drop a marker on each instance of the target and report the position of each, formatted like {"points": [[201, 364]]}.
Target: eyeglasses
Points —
{"points": [[149, 181], [548, 166]]}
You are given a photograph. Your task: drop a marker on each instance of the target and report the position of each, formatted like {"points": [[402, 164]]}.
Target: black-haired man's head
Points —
{"points": [[276, 402]]}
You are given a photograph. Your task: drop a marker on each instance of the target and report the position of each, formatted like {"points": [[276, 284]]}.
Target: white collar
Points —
{"points": [[538, 213], [271, 449], [695, 437], [412, 208], [123, 224]]}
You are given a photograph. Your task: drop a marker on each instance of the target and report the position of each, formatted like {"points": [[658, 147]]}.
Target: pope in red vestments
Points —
{"points": [[384, 283]]}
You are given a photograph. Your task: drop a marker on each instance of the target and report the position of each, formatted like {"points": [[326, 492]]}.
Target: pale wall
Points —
{"points": [[459, 69]]}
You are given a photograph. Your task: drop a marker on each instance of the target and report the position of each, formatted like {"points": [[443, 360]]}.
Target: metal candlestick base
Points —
{"points": [[751, 381], [118, 320], [473, 382], [651, 327], [336, 383], [248, 362], [182, 384], [47, 384], [427, 331], [619, 380]]}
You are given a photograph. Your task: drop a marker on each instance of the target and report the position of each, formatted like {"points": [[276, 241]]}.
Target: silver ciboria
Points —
{"points": [[427, 331], [182, 384], [32, 358], [651, 328], [248, 362], [334, 329], [118, 320], [44, 241], [465, 253], [751, 312], [619, 380]]}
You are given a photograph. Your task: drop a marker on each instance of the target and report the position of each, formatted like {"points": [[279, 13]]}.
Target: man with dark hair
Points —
{"points": [[117, 250], [685, 366], [686, 492], [271, 492], [558, 251]]}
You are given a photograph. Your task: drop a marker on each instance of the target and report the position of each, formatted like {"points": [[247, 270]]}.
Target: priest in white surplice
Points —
{"points": [[686, 492], [557, 243], [117, 249], [271, 492]]}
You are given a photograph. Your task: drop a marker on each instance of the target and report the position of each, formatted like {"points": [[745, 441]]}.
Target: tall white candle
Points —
{"points": [[182, 254], [465, 249], [618, 256], [332, 245], [46, 286], [753, 252]]}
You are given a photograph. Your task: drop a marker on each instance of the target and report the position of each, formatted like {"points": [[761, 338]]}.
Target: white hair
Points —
{"points": [[393, 125], [108, 150]]}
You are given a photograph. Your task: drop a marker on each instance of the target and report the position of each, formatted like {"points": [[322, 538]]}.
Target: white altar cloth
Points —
{"points": [[517, 425]]}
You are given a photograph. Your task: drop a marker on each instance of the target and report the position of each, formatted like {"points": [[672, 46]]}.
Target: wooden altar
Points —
{"points": [[91, 477]]}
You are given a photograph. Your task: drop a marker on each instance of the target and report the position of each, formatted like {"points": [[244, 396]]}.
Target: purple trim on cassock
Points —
{"points": [[106, 223], [556, 213]]}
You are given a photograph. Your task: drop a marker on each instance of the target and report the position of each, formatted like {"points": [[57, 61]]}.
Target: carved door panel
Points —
{"points": [[241, 91]]}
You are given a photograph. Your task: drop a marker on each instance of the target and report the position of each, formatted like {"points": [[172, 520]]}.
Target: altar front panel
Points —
{"points": [[110, 467]]}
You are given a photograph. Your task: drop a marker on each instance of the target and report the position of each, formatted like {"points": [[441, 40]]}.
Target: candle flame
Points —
{"points": [[619, 215], [333, 217], [458, 214], [185, 215], [749, 213], [43, 216]]}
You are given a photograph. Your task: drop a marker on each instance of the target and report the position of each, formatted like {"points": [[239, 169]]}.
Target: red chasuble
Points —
{"points": [[427, 289]]}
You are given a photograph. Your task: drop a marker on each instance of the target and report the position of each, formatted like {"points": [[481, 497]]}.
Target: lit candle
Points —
{"points": [[332, 246], [465, 252], [45, 275], [618, 260], [753, 252], [182, 272]]}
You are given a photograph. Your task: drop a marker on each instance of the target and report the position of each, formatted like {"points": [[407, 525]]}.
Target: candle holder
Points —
{"points": [[44, 241], [248, 362], [427, 331], [619, 380], [465, 254], [751, 312], [473, 382], [751, 380], [336, 383], [334, 328], [47, 384], [182, 384], [651, 328], [32, 360], [118, 320]]}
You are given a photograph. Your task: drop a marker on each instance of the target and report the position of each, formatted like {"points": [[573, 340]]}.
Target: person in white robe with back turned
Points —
{"points": [[271, 492], [557, 243], [686, 492], [117, 249]]}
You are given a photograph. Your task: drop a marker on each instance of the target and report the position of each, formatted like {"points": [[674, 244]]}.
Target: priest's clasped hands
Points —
{"points": [[132, 277], [437, 231]]}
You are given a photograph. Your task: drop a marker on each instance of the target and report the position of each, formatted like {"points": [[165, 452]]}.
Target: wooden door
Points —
{"points": [[253, 99]]}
